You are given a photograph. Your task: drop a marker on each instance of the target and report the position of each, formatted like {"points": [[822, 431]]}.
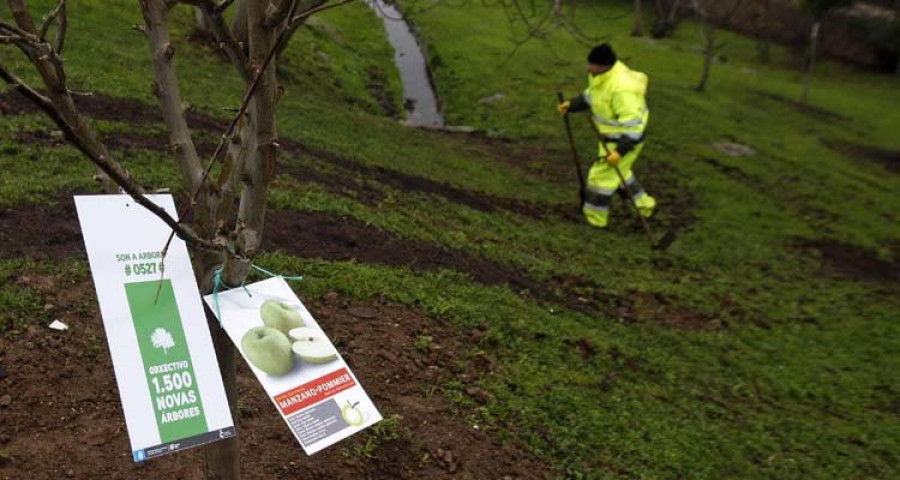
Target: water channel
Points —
{"points": [[418, 92]]}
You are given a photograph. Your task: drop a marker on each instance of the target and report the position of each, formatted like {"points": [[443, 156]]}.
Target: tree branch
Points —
{"points": [[222, 7], [278, 10], [168, 93], [62, 28], [48, 20], [224, 37], [302, 16], [102, 160]]}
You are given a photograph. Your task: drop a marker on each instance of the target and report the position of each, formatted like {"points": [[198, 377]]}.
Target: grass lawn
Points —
{"points": [[763, 344]]}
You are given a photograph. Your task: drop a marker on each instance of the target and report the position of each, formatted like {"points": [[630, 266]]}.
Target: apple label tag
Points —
{"points": [[311, 386]]}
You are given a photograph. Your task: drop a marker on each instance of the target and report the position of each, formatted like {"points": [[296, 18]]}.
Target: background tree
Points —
{"points": [[246, 154], [638, 29], [666, 15], [817, 9], [763, 30], [713, 14]]}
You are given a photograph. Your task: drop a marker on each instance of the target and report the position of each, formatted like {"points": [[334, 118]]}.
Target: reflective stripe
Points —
{"points": [[594, 208], [638, 137], [630, 123], [601, 191]]}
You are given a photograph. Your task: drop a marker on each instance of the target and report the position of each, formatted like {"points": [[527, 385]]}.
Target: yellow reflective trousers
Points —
{"points": [[603, 182]]}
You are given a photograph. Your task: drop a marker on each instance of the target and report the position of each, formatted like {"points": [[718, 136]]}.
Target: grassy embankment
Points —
{"points": [[785, 373]]}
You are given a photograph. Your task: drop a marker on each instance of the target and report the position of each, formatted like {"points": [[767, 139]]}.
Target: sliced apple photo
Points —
{"points": [[280, 316], [268, 350], [352, 414], [312, 346]]}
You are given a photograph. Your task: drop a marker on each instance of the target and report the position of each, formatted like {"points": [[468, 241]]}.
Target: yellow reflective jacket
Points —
{"points": [[616, 98]]}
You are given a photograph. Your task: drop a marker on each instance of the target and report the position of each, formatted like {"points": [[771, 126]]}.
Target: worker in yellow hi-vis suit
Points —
{"points": [[615, 96]]}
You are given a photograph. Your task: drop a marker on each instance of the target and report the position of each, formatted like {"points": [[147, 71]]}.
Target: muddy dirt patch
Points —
{"points": [[321, 235], [60, 397], [852, 262], [476, 200], [113, 109], [342, 183], [376, 85], [658, 309], [133, 111], [889, 159], [732, 172], [41, 230], [806, 109]]}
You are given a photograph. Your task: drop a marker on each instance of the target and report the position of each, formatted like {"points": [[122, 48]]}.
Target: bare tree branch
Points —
{"points": [[222, 7], [302, 16], [279, 10], [224, 37], [62, 28], [103, 161], [48, 20], [60, 107], [167, 91]]}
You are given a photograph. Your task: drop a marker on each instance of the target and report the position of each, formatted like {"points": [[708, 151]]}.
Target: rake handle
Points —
{"points": [[559, 97]]}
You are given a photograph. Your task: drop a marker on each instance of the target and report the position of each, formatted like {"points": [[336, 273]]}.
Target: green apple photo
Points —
{"points": [[272, 348], [312, 346], [268, 349], [280, 316], [351, 414]]}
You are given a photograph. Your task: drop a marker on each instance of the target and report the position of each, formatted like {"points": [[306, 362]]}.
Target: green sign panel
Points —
{"points": [[167, 361]]}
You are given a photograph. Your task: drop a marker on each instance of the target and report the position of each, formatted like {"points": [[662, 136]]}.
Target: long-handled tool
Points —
{"points": [[559, 96], [669, 237]]}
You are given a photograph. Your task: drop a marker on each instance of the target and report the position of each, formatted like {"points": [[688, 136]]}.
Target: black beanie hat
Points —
{"points": [[602, 55]]}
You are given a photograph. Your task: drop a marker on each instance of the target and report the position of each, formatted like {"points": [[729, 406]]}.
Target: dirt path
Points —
{"points": [[108, 108], [76, 429]]}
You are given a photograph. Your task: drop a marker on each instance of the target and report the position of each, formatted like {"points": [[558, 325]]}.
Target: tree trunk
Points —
{"points": [[239, 23], [200, 20], [811, 61], [638, 28], [763, 31], [709, 52]]}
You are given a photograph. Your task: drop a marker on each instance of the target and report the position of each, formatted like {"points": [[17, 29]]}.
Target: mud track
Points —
{"points": [[426, 437], [853, 262], [115, 109]]}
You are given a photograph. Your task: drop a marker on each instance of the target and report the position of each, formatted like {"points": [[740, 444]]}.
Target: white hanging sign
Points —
{"points": [[163, 357], [311, 386]]}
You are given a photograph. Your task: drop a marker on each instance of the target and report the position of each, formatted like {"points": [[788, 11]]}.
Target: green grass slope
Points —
{"points": [[743, 352]]}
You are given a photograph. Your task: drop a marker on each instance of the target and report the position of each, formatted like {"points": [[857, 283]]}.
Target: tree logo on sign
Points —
{"points": [[161, 338]]}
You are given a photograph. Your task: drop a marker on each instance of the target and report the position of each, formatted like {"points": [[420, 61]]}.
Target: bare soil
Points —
{"points": [[41, 230], [75, 428], [136, 112], [376, 85], [324, 236], [853, 262], [476, 200], [889, 159], [804, 108], [114, 109]]}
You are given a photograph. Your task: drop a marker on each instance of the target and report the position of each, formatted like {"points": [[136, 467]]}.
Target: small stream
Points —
{"points": [[418, 92]]}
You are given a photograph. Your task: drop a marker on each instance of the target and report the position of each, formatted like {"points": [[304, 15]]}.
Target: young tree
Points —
{"points": [[247, 152], [763, 31], [665, 18], [713, 13], [638, 29], [817, 9]]}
